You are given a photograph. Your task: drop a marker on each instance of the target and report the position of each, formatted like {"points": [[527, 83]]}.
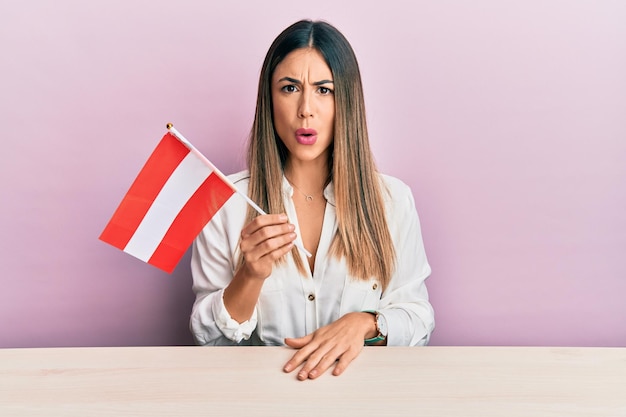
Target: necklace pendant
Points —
{"points": [[309, 198]]}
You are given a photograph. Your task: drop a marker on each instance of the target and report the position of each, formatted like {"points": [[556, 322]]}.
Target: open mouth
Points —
{"points": [[306, 132], [306, 136]]}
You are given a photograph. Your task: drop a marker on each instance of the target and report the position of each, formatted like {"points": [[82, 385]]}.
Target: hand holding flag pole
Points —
{"points": [[175, 195], [254, 205]]}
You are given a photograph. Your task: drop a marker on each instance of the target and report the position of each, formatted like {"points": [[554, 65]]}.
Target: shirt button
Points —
{"points": [[374, 286], [311, 297]]}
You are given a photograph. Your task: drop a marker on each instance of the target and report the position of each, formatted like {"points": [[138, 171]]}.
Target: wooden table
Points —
{"points": [[382, 381]]}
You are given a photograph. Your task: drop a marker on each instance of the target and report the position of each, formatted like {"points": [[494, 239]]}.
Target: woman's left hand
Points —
{"points": [[340, 341]]}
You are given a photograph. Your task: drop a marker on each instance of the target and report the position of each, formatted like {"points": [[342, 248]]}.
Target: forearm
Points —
{"points": [[241, 295]]}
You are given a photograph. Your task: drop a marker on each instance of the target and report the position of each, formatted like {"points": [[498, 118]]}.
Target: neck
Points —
{"points": [[309, 178]]}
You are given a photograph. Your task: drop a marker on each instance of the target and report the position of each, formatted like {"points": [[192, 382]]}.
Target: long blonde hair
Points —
{"points": [[363, 237]]}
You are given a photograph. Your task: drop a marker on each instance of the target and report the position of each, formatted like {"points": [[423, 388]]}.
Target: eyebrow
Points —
{"points": [[294, 81]]}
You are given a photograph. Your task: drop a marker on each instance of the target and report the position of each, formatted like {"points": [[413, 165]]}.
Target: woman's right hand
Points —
{"points": [[264, 240]]}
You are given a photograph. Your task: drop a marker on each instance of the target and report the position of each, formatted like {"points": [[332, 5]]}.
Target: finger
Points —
{"points": [[301, 355], [324, 363], [269, 232], [321, 360], [345, 360], [314, 365], [262, 221], [249, 242], [278, 253], [298, 342], [273, 248], [260, 265]]}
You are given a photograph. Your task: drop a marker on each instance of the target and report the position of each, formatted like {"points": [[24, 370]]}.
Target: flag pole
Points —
{"points": [[196, 152], [204, 159]]}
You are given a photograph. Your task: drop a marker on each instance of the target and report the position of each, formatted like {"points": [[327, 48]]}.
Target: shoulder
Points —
{"points": [[394, 188], [397, 195], [240, 179], [400, 209]]}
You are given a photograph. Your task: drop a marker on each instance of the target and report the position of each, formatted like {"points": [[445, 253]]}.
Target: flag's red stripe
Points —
{"points": [[164, 159], [196, 213]]}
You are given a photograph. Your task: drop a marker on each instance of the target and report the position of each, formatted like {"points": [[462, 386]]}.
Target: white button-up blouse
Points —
{"points": [[294, 305]]}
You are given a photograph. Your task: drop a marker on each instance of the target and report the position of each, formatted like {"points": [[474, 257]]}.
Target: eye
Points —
{"points": [[325, 91], [290, 88]]}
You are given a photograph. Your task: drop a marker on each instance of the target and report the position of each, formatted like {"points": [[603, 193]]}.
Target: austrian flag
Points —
{"points": [[175, 195]]}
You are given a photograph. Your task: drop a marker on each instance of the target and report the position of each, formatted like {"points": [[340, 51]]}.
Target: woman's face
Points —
{"points": [[304, 105]]}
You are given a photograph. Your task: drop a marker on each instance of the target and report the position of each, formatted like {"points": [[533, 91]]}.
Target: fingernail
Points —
{"points": [[283, 217], [287, 368], [302, 375], [313, 374]]}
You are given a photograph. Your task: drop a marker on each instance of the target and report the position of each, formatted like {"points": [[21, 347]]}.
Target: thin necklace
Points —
{"points": [[308, 197]]}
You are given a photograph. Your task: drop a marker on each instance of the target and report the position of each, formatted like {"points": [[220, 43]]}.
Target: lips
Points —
{"points": [[306, 136]]}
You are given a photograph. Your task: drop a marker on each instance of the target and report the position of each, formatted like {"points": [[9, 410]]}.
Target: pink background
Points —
{"points": [[507, 119]]}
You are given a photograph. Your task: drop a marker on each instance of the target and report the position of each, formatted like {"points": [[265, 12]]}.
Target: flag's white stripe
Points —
{"points": [[178, 189]]}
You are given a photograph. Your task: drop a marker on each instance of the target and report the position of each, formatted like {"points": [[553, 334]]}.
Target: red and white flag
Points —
{"points": [[175, 195]]}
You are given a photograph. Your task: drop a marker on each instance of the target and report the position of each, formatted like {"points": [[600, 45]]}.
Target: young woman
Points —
{"points": [[310, 165]]}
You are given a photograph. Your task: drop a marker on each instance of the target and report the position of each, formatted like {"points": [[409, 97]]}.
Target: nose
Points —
{"points": [[304, 107]]}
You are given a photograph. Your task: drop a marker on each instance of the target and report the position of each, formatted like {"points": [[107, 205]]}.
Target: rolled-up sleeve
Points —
{"points": [[405, 304]]}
